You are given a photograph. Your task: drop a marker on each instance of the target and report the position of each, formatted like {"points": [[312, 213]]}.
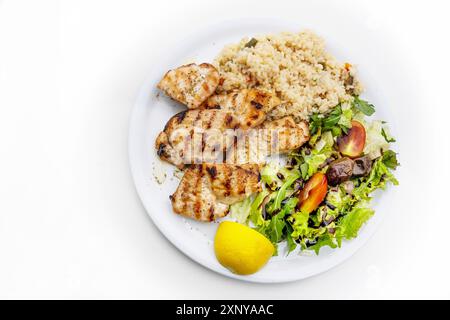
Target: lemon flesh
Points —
{"points": [[241, 249]]}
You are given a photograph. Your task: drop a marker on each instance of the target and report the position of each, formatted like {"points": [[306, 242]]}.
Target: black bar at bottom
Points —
{"points": [[214, 309]]}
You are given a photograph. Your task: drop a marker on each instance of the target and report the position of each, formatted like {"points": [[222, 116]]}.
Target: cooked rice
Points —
{"points": [[294, 66]]}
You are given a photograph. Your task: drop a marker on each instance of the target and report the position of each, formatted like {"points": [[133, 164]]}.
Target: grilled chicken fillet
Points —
{"points": [[195, 136], [191, 84], [289, 135], [206, 190], [272, 137], [209, 136], [250, 106]]}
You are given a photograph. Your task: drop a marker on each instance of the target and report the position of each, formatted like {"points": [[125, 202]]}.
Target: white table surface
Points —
{"points": [[71, 224]]}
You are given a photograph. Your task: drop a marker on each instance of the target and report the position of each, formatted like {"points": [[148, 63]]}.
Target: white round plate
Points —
{"points": [[351, 41]]}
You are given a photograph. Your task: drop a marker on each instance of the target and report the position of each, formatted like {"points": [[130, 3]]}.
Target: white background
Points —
{"points": [[71, 224]]}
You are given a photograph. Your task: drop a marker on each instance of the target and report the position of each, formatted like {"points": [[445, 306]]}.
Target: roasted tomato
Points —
{"points": [[352, 144], [313, 193]]}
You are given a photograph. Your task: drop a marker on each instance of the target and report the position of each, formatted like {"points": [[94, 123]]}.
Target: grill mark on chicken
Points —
{"points": [[180, 116], [257, 105], [203, 141], [161, 148], [227, 187], [242, 184], [212, 171], [211, 213], [197, 119], [228, 119], [177, 118], [197, 207], [205, 86], [213, 118]]}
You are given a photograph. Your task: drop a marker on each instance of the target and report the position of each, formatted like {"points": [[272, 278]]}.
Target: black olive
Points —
{"points": [[339, 171], [362, 166]]}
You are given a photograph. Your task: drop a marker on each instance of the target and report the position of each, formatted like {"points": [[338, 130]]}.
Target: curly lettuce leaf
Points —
{"points": [[379, 176], [376, 143], [390, 159], [312, 162], [349, 225], [291, 245], [345, 121], [269, 175], [240, 211], [339, 200], [325, 143], [325, 240], [299, 223], [311, 159], [301, 231]]}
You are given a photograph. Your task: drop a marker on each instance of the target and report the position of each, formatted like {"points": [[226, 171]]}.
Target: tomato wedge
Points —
{"points": [[352, 144], [313, 193]]}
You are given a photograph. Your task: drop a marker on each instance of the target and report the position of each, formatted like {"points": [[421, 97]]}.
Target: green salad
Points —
{"points": [[321, 195]]}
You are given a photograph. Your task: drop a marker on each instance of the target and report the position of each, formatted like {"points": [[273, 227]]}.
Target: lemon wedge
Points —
{"points": [[241, 249]]}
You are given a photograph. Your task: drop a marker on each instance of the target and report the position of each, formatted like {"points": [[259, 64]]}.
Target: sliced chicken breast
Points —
{"points": [[272, 137], [191, 84], [196, 136], [206, 191], [249, 106], [210, 136], [284, 135]]}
